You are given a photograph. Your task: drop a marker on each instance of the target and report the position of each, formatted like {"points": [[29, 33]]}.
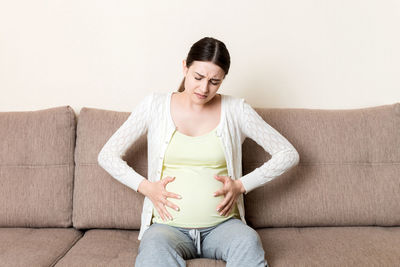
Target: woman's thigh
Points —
{"points": [[160, 237], [233, 240]]}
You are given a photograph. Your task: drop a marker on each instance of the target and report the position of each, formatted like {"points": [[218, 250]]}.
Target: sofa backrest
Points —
{"points": [[101, 201], [37, 167], [349, 170]]}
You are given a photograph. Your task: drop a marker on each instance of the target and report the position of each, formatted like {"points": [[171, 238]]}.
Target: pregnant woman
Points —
{"points": [[193, 204]]}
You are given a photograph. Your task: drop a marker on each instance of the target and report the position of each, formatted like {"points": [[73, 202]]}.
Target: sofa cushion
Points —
{"points": [[37, 167], [35, 246], [305, 246], [100, 201], [331, 246], [349, 170], [102, 247]]}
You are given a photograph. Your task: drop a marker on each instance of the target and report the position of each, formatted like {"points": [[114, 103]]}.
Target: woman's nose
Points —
{"points": [[204, 87]]}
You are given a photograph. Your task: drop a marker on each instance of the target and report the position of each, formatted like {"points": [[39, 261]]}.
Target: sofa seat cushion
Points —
{"points": [[103, 247], [331, 246], [35, 246], [303, 246]]}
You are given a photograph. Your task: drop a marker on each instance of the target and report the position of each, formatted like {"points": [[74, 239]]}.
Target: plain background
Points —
{"points": [[340, 54]]}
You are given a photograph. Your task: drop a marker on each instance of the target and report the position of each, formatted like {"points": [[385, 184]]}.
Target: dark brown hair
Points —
{"points": [[208, 49]]}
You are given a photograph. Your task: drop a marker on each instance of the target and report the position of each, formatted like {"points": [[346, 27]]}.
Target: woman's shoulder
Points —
{"points": [[233, 100]]}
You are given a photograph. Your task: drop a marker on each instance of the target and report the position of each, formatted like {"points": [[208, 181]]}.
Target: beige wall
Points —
{"points": [[286, 53]]}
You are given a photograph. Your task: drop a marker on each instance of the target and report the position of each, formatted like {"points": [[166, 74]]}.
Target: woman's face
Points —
{"points": [[203, 78]]}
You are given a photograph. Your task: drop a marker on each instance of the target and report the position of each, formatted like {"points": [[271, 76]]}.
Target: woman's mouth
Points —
{"points": [[201, 96]]}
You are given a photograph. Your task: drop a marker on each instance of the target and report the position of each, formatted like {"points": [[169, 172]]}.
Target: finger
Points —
{"points": [[217, 193], [164, 203], [166, 179], [170, 179], [160, 213], [228, 207], [219, 178], [170, 194], [223, 203], [172, 205], [163, 211], [167, 215]]}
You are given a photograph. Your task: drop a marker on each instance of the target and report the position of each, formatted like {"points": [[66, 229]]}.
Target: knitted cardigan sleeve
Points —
{"points": [[283, 154], [110, 156]]}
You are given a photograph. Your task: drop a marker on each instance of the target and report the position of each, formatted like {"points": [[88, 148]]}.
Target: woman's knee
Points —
{"points": [[158, 236], [248, 237]]}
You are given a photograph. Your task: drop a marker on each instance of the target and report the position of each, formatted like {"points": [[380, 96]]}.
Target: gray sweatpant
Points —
{"points": [[232, 241]]}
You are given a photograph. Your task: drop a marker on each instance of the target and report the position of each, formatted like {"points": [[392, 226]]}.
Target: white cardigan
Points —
{"points": [[238, 120]]}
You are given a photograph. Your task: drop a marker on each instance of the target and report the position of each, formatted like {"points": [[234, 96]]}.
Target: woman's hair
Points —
{"points": [[208, 49]]}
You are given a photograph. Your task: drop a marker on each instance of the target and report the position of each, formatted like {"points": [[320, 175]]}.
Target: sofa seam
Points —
{"points": [[72, 146], [36, 165], [72, 244]]}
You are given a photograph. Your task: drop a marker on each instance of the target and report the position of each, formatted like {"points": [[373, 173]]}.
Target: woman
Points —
{"points": [[193, 204]]}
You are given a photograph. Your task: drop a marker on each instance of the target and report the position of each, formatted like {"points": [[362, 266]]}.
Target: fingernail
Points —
{"points": [[176, 208], [180, 197]]}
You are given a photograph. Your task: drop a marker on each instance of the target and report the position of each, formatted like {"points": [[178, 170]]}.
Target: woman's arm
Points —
{"points": [[110, 156], [283, 154]]}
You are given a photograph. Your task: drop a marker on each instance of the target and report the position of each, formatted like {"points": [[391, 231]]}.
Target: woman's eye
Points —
{"points": [[200, 79]]}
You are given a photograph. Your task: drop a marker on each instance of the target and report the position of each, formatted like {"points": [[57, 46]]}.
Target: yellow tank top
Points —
{"points": [[193, 161]]}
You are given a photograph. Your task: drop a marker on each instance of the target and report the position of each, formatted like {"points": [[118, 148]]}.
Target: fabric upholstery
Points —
{"points": [[100, 201], [103, 248], [302, 246], [35, 246], [37, 167], [331, 246], [348, 172]]}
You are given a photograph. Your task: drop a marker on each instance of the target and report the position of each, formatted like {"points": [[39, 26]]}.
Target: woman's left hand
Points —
{"points": [[231, 189]]}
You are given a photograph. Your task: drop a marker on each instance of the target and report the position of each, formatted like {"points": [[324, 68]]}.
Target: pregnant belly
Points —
{"points": [[198, 204]]}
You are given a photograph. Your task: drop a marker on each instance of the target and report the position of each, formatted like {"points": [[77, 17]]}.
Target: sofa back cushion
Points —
{"points": [[349, 170], [100, 201], [37, 167]]}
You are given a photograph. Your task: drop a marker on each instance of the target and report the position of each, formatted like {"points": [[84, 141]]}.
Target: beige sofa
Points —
{"points": [[338, 207]]}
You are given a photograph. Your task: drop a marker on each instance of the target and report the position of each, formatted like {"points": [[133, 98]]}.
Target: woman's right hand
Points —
{"points": [[157, 193]]}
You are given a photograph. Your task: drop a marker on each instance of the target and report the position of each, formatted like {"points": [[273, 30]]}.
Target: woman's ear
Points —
{"points": [[185, 69]]}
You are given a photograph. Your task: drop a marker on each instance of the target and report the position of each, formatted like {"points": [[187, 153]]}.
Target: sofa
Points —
{"points": [[338, 207]]}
